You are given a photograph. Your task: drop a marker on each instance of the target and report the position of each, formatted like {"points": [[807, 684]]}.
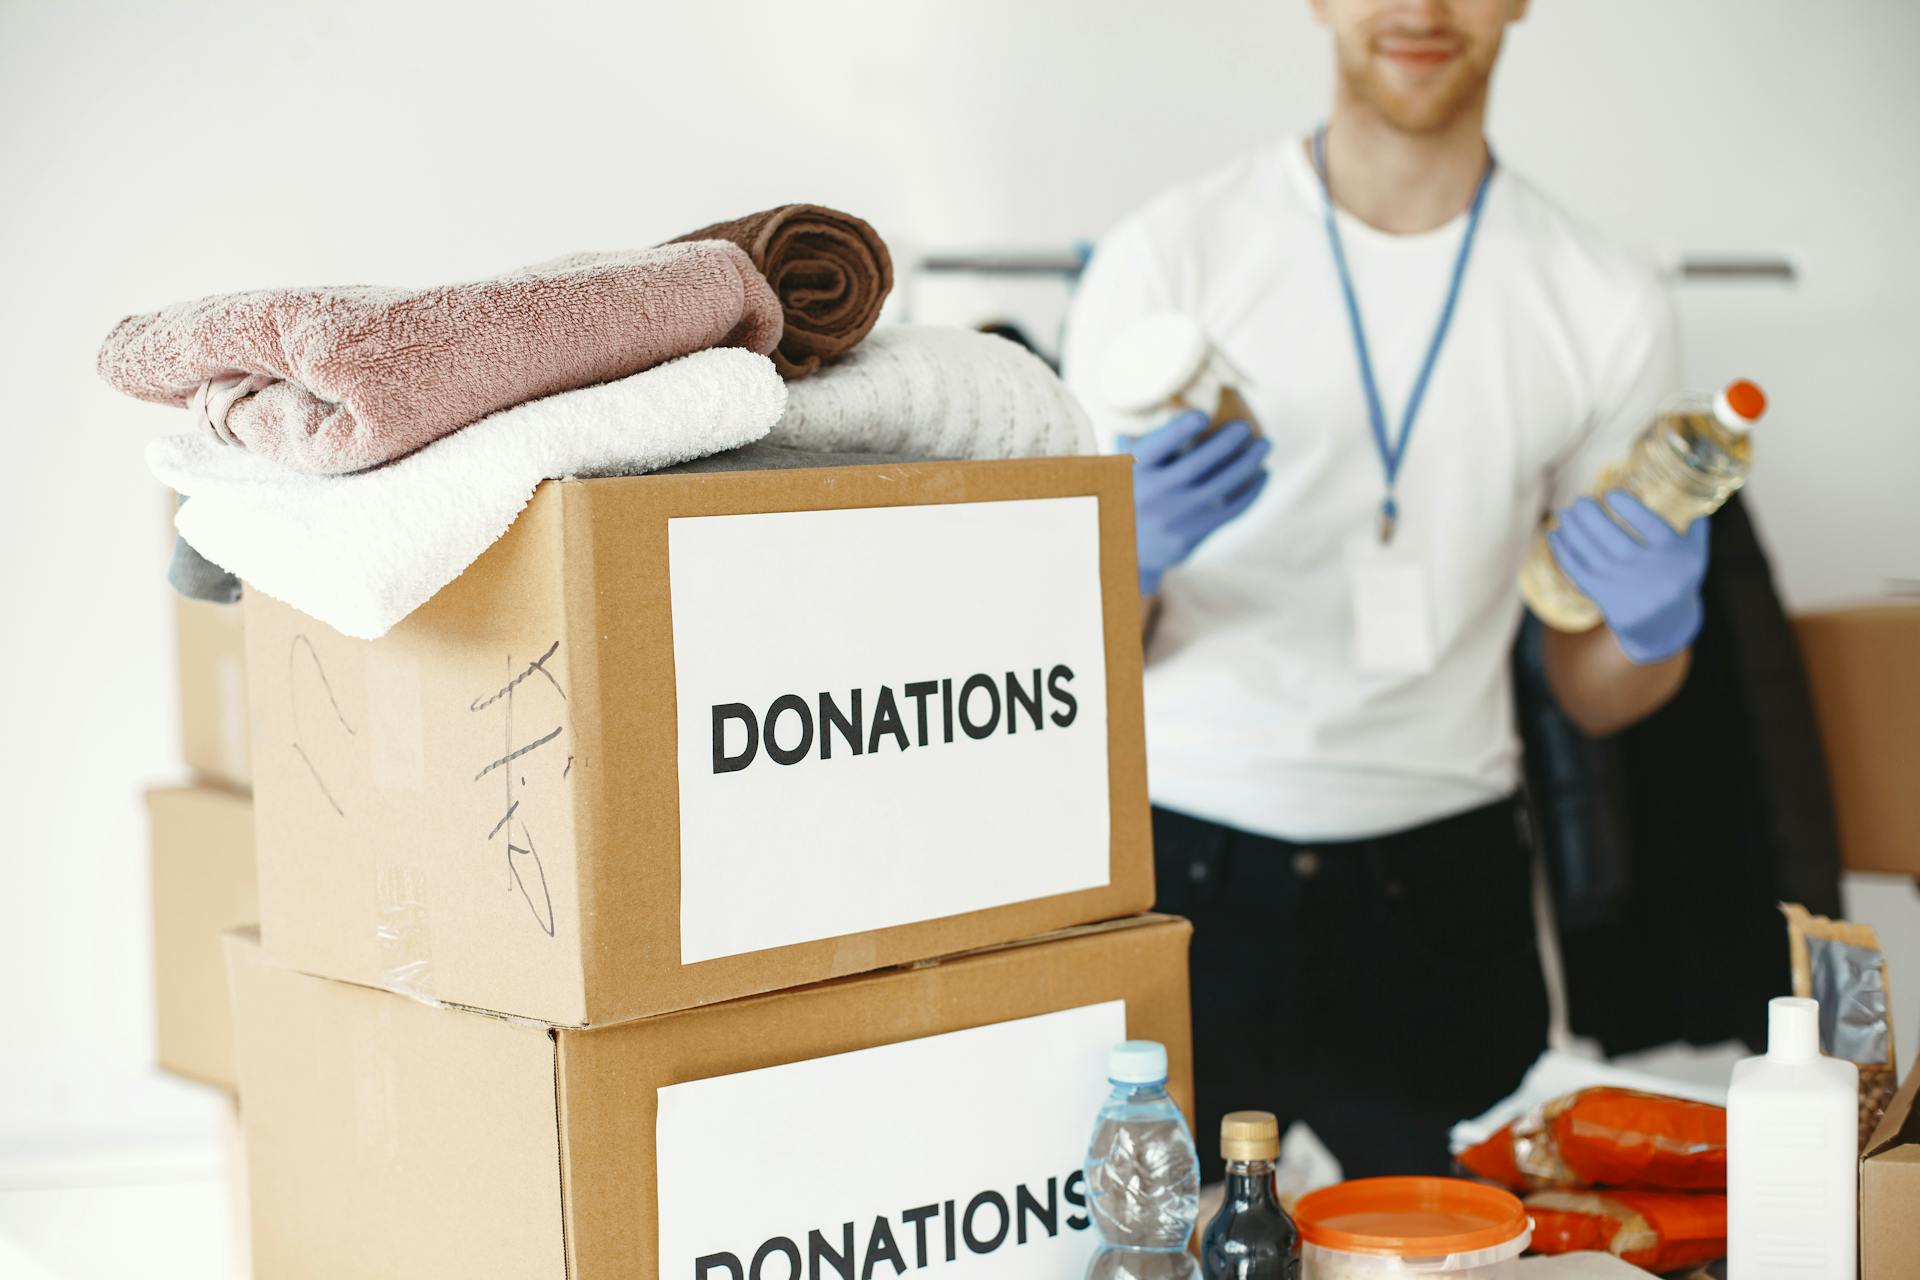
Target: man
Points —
{"points": [[1434, 367]]}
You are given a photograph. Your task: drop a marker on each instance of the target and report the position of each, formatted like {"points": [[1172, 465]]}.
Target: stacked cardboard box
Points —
{"points": [[211, 658], [729, 877], [201, 868], [1890, 1190], [201, 847], [203, 886], [1863, 668]]}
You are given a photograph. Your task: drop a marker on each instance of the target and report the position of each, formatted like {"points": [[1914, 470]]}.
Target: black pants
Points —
{"points": [[1377, 989]]}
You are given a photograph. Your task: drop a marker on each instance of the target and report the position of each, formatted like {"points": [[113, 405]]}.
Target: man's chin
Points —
{"points": [[1427, 110]]}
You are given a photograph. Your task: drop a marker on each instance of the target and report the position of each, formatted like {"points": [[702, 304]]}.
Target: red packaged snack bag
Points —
{"points": [[1609, 1137], [1493, 1160], [1655, 1230]]}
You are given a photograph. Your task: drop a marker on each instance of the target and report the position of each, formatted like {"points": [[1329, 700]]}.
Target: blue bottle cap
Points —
{"points": [[1137, 1062]]}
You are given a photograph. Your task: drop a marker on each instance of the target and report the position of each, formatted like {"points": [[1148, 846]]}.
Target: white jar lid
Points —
{"points": [[1150, 361]]}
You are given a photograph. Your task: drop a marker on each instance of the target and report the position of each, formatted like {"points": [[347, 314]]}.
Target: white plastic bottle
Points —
{"points": [[1792, 1155]]}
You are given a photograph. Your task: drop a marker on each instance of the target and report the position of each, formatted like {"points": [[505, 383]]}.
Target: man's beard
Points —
{"points": [[1428, 110]]}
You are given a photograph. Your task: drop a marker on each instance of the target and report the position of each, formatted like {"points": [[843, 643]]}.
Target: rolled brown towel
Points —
{"points": [[830, 269]]}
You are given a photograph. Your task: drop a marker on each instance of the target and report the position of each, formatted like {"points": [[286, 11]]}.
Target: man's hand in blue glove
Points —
{"points": [[1183, 491], [1646, 583]]}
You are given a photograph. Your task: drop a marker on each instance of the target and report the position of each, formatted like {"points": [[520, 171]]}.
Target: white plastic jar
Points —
{"points": [[1163, 364], [1387, 1228]]}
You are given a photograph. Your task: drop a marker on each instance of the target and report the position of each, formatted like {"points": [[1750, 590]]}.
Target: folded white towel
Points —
{"points": [[936, 392], [362, 551]]}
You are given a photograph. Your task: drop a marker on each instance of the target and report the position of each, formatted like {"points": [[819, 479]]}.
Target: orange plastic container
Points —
{"points": [[1378, 1228]]}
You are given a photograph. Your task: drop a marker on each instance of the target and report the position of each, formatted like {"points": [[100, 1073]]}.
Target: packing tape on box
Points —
{"points": [[405, 933]]}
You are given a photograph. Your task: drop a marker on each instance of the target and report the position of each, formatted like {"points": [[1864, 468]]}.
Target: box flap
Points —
{"points": [[1898, 1134], [1096, 929], [1146, 920]]}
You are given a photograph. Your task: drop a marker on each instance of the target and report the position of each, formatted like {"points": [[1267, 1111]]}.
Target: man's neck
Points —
{"points": [[1403, 182]]}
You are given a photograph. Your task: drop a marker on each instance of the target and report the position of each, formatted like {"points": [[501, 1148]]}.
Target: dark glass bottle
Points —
{"points": [[1251, 1238]]}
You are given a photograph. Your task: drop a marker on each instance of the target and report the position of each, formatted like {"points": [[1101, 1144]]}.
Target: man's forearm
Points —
{"points": [[1599, 688]]}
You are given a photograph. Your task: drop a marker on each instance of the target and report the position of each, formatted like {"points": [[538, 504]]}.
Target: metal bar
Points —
{"points": [[1010, 262], [1069, 264], [1716, 269]]}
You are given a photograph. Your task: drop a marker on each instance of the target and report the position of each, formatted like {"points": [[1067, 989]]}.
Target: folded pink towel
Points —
{"points": [[339, 379]]}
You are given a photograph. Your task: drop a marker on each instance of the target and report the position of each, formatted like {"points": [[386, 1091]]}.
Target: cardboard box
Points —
{"points": [[941, 1109], [1863, 667], [678, 739], [240, 1243], [212, 658], [203, 886], [1890, 1191]]}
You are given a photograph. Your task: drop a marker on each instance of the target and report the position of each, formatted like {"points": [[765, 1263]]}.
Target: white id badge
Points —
{"points": [[1392, 615]]}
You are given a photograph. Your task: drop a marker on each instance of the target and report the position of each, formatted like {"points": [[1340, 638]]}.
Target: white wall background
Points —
{"points": [[151, 152]]}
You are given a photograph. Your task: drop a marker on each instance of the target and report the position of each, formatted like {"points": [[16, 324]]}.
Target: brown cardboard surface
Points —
{"points": [[1890, 1191], [212, 664], [390, 1138], [374, 816], [203, 885], [234, 1141], [1863, 668], [376, 777]]}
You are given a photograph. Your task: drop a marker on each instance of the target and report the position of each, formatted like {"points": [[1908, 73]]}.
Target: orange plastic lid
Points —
{"points": [[1746, 399], [1410, 1217]]}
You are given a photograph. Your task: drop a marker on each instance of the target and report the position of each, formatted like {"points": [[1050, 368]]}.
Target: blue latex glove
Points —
{"points": [[1646, 583], [1183, 491]]}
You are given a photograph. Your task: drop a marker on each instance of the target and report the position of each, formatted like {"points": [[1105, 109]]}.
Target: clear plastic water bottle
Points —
{"points": [[1143, 1173]]}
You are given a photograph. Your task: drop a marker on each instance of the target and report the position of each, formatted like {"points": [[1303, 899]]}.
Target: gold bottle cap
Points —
{"points": [[1249, 1135]]}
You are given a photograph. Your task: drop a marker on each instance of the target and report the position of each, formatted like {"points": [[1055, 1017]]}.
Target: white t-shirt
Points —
{"points": [[1561, 348]]}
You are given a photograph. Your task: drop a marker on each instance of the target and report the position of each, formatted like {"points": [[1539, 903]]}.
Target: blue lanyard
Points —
{"points": [[1392, 452]]}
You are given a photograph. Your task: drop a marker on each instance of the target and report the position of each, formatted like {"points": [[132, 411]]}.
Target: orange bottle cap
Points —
{"points": [[1746, 399], [1410, 1217]]}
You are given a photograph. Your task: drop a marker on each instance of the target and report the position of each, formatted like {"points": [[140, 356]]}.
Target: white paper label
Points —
{"points": [[1392, 617], [958, 1154], [886, 715]]}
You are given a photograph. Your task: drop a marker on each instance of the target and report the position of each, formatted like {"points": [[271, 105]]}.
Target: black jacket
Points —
{"points": [[1668, 846]]}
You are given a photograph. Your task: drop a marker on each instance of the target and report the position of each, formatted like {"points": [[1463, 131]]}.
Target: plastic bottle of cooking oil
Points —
{"points": [[1683, 466]]}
